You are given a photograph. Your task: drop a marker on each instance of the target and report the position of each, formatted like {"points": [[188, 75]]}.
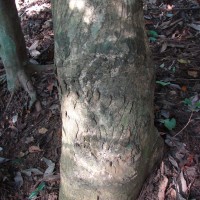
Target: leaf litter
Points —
{"points": [[176, 56]]}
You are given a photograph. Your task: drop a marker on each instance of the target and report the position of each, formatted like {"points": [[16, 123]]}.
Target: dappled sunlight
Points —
{"points": [[88, 15], [33, 9], [88, 11], [79, 4]]}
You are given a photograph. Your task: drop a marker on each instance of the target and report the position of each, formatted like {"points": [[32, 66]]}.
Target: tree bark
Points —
{"points": [[109, 143], [13, 49]]}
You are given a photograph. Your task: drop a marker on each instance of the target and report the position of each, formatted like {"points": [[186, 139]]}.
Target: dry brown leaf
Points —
{"points": [[34, 149], [182, 184], [162, 187], [50, 87], [184, 88]]}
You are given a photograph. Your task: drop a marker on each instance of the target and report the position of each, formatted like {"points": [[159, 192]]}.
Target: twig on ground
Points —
{"points": [[185, 125], [11, 97]]}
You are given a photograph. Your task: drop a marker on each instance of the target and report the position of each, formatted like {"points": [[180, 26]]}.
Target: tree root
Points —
{"points": [[24, 80], [26, 83], [28, 86]]}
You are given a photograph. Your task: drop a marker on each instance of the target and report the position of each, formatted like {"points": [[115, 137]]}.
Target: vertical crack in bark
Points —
{"points": [[77, 132]]}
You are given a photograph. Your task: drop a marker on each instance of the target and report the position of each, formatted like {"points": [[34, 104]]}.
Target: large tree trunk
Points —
{"points": [[109, 143]]}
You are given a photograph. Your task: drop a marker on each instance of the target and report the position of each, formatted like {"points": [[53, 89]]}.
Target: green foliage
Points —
{"points": [[34, 194], [163, 83], [193, 103], [152, 39], [170, 124], [152, 33]]}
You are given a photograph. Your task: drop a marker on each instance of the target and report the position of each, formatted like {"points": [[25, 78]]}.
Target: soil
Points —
{"points": [[30, 141]]}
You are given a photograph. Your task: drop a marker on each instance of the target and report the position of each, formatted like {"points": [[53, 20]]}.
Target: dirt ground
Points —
{"points": [[30, 141]]}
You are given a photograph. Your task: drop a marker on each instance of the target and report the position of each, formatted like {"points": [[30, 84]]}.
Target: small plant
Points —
{"points": [[170, 124], [193, 103], [34, 194]]}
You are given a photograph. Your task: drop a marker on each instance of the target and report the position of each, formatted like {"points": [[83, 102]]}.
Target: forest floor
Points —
{"points": [[30, 141]]}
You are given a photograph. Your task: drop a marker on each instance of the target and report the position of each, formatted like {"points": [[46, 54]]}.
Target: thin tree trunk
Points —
{"points": [[109, 143], [13, 49]]}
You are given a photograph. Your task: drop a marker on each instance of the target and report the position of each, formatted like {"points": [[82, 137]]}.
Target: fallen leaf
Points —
{"points": [[152, 39], [14, 118], [18, 180], [38, 106], [34, 194], [176, 86], [182, 184], [193, 73], [173, 162], [152, 33], [169, 123], [34, 45], [191, 172], [51, 178], [183, 61], [163, 83], [195, 26], [184, 88], [34, 53], [34, 149], [164, 47], [3, 160], [42, 130], [162, 187], [51, 167], [162, 65], [50, 87], [29, 140]]}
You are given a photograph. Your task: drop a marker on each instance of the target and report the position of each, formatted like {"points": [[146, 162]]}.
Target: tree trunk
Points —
{"points": [[13, 48], [109, 143]]}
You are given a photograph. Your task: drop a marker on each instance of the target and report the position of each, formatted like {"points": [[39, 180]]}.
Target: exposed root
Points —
{"points": [[27, 85]]}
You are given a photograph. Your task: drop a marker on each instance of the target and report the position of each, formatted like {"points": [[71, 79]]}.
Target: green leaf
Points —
{"points": [[187, 101], [152, 39], [36, 191], [152, 33], [169, 123], [163, 83], [197, 104]]}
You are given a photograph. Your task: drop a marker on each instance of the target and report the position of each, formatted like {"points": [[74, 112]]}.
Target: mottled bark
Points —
{"points": [[109, 143]]}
